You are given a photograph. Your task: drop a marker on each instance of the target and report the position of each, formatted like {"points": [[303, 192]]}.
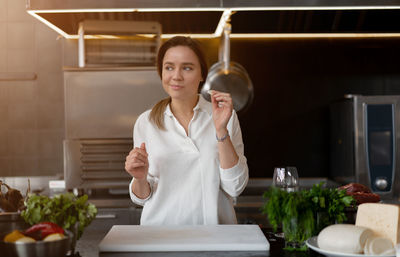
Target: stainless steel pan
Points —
{"points": [[231, 77]]}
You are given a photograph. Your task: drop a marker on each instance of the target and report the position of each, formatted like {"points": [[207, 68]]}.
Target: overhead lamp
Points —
{"points": [[227, 12], [315, 35], [311, 8]]}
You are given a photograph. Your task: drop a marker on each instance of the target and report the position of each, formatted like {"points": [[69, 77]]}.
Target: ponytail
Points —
{"points": [[157, 113]]}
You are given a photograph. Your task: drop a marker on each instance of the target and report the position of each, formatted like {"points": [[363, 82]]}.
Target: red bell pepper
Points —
{"points": [[43, 229]]}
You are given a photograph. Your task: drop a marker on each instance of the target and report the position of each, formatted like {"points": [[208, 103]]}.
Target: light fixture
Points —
{"points": [[311, 8], [226, 13], [316, 35]]}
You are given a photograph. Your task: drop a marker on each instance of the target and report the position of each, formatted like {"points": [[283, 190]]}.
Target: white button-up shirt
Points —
{"points": [[188, 186]]}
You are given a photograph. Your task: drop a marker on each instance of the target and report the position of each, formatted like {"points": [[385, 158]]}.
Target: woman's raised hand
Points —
{"points": [[222, 106], [137, 163]]}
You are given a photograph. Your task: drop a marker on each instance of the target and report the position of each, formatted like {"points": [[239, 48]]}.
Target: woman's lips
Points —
{"points": [[176, 87]]}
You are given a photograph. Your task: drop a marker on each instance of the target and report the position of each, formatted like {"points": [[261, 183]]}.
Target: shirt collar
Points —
{"points": [[168, 110], [202, 105]]}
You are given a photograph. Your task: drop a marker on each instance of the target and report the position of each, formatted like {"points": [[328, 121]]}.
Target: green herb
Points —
{"points": [[304, 213], [328, 204], [64, 209]]}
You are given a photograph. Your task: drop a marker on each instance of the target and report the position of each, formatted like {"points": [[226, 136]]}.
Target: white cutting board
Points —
{"points": [[134, 238]]}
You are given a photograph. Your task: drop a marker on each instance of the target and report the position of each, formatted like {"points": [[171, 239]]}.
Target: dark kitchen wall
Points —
{"points": [[295, 80]]}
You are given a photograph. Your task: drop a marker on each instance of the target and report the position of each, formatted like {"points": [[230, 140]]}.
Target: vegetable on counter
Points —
{"points": [[328, 205], [65, 210], [41, 230], [304, 213], [46, 231], [282, 205], [13, 236]]}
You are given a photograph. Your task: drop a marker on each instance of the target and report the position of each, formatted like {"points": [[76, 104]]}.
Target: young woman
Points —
{"points": [[187, 162]]}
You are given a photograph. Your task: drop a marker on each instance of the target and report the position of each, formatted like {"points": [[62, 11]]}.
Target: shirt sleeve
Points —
{"points": [[234, 180], [136, 199], [138, 138]]}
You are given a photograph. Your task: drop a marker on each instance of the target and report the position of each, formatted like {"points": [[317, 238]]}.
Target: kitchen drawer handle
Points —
{"points": [[106, 216]]}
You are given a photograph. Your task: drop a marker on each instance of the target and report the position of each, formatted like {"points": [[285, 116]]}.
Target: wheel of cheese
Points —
{"points": [[343, 238]]}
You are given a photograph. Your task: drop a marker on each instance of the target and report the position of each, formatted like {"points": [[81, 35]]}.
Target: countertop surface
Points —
{"points": [[87, 246]]}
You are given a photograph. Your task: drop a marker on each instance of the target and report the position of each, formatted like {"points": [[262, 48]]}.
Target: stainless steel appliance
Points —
{"points": [[116, 81], [118, 43], [101, 107], [365, 134]]}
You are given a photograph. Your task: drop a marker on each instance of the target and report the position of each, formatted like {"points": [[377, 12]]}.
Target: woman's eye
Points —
{"points": [[169, 68], [187, 68]]}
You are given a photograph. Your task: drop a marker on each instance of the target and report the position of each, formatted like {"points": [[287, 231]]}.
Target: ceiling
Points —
{"points": [[252, 16]]}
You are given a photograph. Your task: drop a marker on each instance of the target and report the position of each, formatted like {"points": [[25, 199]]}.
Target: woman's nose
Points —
{"points": [[177, 74]]}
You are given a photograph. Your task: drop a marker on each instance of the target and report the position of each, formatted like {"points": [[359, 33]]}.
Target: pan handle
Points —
{"points": [[226, 48]]}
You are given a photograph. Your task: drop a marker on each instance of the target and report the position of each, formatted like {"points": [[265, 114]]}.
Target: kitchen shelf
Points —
{"points": [[17, 76]]}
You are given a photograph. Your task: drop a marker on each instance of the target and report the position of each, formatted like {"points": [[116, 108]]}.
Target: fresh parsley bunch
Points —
{"points": [[64, 209], [298, 212], [329, 204]]}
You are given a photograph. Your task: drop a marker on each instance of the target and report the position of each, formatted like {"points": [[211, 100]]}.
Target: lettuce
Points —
{"points": [[66, 210]]}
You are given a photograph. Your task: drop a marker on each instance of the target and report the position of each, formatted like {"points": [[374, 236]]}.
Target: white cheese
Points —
{"points": [[344, 238], [378, 246], [382, 219]]}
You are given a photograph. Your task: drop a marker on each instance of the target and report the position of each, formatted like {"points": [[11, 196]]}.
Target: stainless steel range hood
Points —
{"points": [[205, 17]]}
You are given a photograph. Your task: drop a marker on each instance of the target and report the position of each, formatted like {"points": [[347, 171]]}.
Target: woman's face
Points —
{"points": [[181, 73]]}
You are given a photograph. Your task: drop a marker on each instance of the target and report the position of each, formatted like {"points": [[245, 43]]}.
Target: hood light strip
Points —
{"points": [[260, 36], [224, 17], [51, 25], [220, 9], [129, 10], [316, 35]]}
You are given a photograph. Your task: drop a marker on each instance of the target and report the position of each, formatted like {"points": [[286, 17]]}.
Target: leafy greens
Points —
{"points": [[66, 210], [304, 213]]}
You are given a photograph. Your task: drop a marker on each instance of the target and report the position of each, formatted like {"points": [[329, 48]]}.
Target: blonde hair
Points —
{"points": [[157, 113]]}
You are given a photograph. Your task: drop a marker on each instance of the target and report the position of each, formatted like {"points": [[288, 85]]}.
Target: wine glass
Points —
{"points": [[286, 178]]}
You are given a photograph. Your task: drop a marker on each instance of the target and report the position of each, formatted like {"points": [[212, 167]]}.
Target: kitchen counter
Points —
{"points": [[87, 247], [247, 205], [247, 208]]}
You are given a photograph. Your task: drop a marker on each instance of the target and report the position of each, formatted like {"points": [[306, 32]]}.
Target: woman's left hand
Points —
{"points": [[222, 106]]}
